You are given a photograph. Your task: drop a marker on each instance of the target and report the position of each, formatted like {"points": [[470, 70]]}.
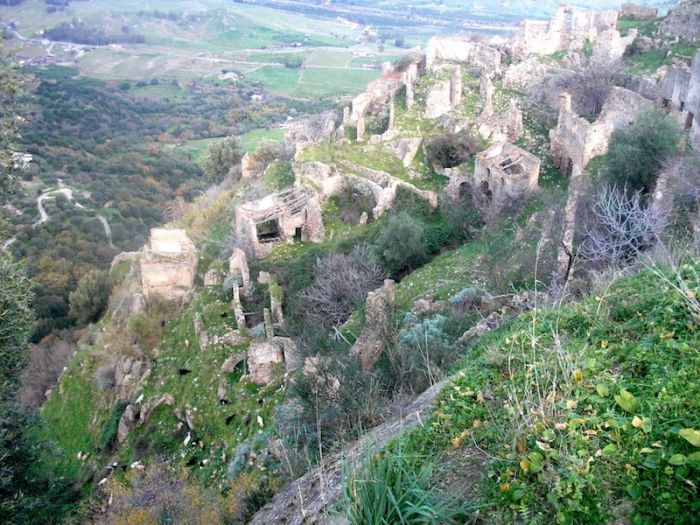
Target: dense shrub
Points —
{"points": [[89, 300], [637, 152], [44, 366], [401, 244], [223, 160], [463, 218], [354, 199], [340, 285], [452, 149]]}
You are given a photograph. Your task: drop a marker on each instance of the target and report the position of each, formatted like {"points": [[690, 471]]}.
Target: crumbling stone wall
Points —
{"points": [[378, 308], [168, 264], [477, 55], [575, 141], [680, 93], [445, 94], [682, 22], [504, 172], [279, 217], [569, 28]]}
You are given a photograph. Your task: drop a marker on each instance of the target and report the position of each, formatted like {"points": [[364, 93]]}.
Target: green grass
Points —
{"points": [[579, 409], [310, 83], [643, 27], [651, 60], [197, 391], [197, 149]]}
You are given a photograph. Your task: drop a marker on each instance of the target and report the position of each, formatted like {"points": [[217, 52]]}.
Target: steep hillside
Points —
{"points": [[452, 224]]}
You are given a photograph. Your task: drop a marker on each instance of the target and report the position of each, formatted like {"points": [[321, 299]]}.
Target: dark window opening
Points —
{"points": [[268, 231], [688, 121], [666, 103], [682, 106], [485, 189], [297, 235], [465, 190]]}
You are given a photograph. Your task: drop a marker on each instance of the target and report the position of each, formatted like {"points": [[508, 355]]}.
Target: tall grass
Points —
{"points": [[392, 488]]}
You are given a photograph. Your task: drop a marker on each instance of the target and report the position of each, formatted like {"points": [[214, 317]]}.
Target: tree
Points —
{"points": [[16, 318], [89, 300], [401, 244], [637, 152], [452, 149], [224, 160], [9, 93]]}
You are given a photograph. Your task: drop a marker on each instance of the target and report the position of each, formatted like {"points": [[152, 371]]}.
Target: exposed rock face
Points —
{"points": [[520, 75], [126, 424], [249, 167], [406, 149], [127, 373], [168, 264], [575, 141], [683, 21], [638, 12], [265, 359], [378, 307], [134, 416], [478, 55]]}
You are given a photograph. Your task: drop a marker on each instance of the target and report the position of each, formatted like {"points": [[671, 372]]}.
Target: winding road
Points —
{"points": [[44, 216]]}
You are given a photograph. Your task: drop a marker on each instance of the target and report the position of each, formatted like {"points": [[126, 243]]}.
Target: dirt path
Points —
{"points": [[305, 500]]}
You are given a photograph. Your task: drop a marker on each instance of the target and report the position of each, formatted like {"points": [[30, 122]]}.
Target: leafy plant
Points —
{"points": [[394, 488]]}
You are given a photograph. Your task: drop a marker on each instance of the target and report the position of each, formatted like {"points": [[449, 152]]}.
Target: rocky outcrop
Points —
{"points": [[406, 149], [266, 360], [378, 309], [682, 22], [638, 12], [135, 416]]}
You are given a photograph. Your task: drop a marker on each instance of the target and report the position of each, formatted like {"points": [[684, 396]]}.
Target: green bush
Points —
{"points": [[636, 152], [89, 300], [223, 160], [452, 149], [109, 430], [401, 244]]}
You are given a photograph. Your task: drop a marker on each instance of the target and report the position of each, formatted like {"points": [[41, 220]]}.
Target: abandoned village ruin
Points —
{"points": [[503, 172]]}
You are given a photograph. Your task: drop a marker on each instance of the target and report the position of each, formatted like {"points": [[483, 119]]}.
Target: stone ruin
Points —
{"points": [[680, 96], [507, 126], [378, 95], [378, 307], [504, 172], [286, 216], [446, 93], [569, 28], [168, 264], [575, 140], [383, 186], [461, 50]]}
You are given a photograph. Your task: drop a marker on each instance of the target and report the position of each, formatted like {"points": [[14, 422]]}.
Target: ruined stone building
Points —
{"points": [[504, 172], [446, 93], [680, 95], [286, 216], [168, 264], [462, 50], [575, 140], [569, 28]]}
